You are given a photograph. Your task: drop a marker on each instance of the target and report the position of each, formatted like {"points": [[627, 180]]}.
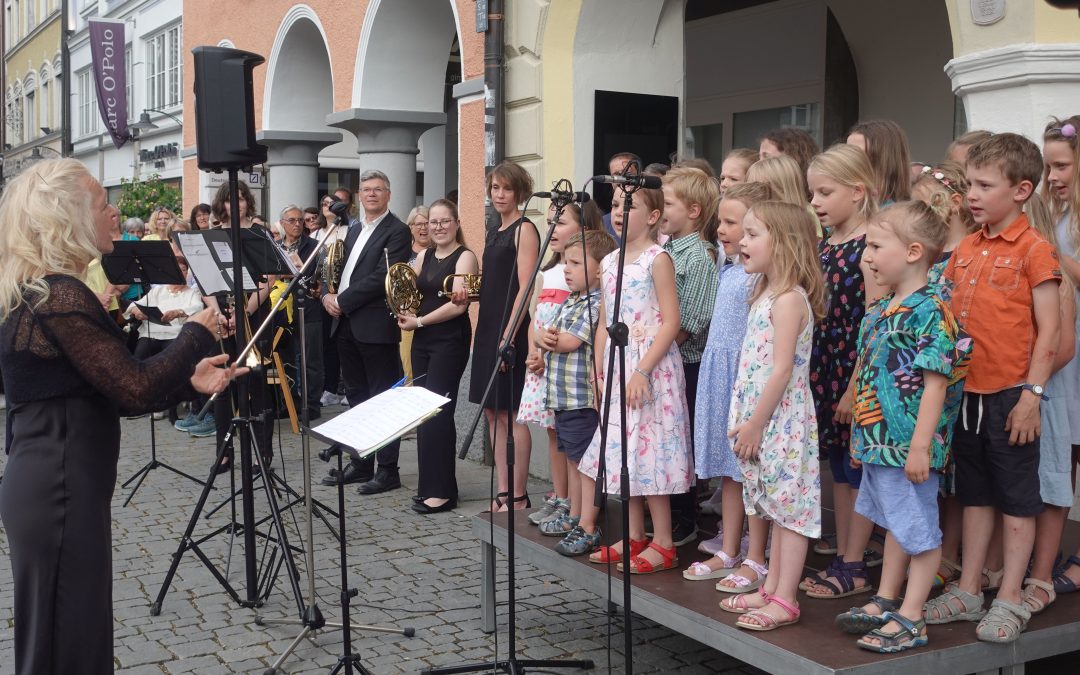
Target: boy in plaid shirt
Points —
{"points": [[570, 368]]}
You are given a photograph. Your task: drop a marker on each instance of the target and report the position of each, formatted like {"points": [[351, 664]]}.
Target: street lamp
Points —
{"points": [[146, 124]]}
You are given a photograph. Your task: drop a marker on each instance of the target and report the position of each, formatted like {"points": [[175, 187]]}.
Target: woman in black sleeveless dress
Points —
{"points": [[440, 350], [510, 253], [68, 377]]}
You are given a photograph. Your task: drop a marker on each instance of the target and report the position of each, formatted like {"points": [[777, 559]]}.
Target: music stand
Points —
{"points": [[145, 262]]}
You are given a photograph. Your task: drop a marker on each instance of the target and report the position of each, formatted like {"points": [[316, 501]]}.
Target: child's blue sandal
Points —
{"points": [[578, 542], [845, 574], [559, 527], [909, 636], [857, 621]]}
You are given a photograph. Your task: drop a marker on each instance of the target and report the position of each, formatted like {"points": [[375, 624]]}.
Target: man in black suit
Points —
{"points": [[366, 332]]}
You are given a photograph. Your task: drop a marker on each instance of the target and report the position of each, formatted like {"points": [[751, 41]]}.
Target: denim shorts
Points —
{"points": [[842, 471], [574, 430], [907, 510]]}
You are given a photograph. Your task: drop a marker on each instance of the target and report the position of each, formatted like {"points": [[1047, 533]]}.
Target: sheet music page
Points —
{"points": [[202, 263], [224, 252], [382, 418]]}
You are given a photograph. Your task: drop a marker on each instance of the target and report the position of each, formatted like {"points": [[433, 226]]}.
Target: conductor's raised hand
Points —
{"points": [[211, 378]]}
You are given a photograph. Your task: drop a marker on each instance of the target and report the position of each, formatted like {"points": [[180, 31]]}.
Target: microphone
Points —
{"points": [[638, 180], [564, 196], [339, 209]]}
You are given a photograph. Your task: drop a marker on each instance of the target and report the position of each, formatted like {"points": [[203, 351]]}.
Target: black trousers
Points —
{"points": [[369, 368], [684, 506], [441, 363], [331, 362]]}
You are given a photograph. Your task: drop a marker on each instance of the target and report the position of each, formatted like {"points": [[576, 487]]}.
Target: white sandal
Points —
{"points": [[700, 571], [742, 584], [1031, 600]]}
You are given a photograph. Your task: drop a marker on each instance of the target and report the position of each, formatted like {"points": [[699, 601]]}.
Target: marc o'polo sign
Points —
{"points": [[110, 76]]}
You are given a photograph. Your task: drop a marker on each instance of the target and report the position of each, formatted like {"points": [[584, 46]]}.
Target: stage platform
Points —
{"points": [[813, 646]]}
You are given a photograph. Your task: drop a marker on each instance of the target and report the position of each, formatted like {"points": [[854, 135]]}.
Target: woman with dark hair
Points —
{"points": [[440, 349], [795, 143], [199, 218], [313, 221], [69, 375]]}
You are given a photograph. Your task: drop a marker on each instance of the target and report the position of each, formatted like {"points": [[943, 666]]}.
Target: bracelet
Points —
{"points": [[419, 322], [648, 378]]}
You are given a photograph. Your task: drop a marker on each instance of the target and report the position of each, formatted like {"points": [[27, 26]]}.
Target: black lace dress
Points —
{"points": [[68, 378]]}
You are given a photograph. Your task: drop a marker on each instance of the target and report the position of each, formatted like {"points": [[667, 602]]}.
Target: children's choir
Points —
{"points": [[909, 327]]}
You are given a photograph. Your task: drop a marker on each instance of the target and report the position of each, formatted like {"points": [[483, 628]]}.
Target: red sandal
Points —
{"points": [[640, 565], [605, 554]]}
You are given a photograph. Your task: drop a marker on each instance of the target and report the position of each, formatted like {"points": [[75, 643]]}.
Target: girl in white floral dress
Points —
{"points": [[771, 420], [661, 462]]}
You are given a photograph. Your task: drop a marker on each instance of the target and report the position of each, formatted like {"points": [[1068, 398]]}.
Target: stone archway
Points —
{"points": [[400, 92], [299, 96]]}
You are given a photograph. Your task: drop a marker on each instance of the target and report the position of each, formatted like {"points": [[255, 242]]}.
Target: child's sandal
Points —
{"points": [[1004, 617], [759, 620], [845, 574], [857, 621], [1030, 598], [737, 604], [951, 573], [642, 565], [1062, 582], [909, 636], [954, 605], [993, 578], [606, 554], [742, 584], [699, 571]]}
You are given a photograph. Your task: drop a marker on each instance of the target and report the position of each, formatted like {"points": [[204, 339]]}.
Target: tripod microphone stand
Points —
{"points": [[311, 619], [618, 338], [561, 196], [242, 426]]}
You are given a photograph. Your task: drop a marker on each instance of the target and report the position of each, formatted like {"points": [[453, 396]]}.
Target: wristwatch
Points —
{"points": [[1036, 389], [420, 324]]}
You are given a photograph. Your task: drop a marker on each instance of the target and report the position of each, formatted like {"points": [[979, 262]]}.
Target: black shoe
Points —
{"points": [[421, 507], [684, 533], [222, 466], [353, 473], [384, 481], [416, 499]]}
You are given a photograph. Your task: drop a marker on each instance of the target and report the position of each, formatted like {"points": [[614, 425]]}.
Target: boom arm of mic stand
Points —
{"points": [[297, 278], [518, 311]]}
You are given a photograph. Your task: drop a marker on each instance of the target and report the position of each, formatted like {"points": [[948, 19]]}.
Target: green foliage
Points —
{"points": [[138, 199]]}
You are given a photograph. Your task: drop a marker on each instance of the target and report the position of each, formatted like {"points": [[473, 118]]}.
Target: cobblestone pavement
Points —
{"points": [[412, 570]]}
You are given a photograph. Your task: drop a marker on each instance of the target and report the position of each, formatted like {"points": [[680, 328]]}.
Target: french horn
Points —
{"points": [[472, 285], [401, 293], [332, 266]]}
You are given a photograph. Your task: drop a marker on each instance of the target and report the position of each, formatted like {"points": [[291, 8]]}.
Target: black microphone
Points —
{"points": [[339, 209], [579, 197], [639, 180]]}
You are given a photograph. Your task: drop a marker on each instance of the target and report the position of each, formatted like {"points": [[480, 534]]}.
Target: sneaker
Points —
{"points": [[559, 527], [578, 542], [684, 533], [328, 399], [203, 429], [547, 509], [561, 511], [160, 415], [187, 422]]}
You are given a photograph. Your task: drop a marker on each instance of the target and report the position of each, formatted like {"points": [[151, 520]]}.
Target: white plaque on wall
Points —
{"points": [[986, 12]]}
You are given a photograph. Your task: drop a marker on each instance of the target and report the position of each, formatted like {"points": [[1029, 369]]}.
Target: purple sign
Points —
{"points": [[110, 76]]}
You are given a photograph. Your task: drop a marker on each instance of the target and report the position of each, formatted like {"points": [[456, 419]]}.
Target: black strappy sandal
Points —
{"points": [[524, 498], [501, 499]]}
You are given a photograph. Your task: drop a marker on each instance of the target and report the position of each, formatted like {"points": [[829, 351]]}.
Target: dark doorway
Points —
{"points": [[644, 124]]}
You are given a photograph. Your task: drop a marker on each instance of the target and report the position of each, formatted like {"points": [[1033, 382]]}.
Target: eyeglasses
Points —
{"points": [[439, 224], [420, 224], [372, 191], [327, 202], [310, 219], [292, 221]]}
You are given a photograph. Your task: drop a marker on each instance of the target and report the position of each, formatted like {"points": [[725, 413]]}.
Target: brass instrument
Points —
{"points": [[332, 266], [401, 293], [472, 285]]}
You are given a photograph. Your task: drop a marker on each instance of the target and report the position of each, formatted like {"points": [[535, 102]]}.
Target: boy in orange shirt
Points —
{"points": [[1006, 279]]}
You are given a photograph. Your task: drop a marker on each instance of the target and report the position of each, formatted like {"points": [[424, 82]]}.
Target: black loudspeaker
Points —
{"points": [[224, 109]]}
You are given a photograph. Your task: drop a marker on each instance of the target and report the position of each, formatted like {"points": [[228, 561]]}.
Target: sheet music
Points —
{"points": [[202, 263], [382, 418], [224, 251]]}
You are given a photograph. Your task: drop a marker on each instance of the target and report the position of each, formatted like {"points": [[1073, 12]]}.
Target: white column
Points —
{"points": [[433, 144], [292, 165], [387, 140], [1018, 87]]}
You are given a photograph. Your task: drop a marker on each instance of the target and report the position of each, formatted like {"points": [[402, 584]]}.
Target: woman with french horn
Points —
{"points": [[440, 349]]}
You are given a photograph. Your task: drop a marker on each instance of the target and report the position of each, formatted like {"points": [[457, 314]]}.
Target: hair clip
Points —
{"points": [[939, 176], [1067, 130]]}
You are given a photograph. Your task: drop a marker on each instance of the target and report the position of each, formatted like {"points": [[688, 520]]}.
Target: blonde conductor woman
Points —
{"points": [[68, 378]]}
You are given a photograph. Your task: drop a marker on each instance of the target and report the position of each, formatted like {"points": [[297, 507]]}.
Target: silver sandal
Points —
{"points": [[943, 608], [1004, 617]]}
